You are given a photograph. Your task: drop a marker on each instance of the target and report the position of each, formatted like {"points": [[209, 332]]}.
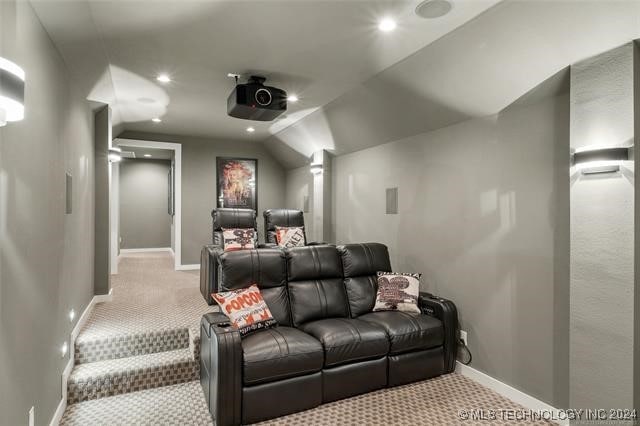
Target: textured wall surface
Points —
{"points": [[46, 256], [299, 186], [602, 236], [144, 219], [199, 184], [483, 215]]}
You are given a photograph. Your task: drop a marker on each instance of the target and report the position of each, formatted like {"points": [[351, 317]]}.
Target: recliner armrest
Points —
{"points": [[209, 271], [221, 368], [445, 310]]}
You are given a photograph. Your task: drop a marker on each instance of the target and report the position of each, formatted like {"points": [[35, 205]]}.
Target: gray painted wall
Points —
{"points": [[299, 185], [602, 236], [483, 214], [199, 184], [102, 222], [46, 257], [144, 220]]}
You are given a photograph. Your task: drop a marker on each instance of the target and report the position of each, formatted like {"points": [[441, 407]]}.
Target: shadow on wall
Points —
{"points": [[131, 97], [481, 206]]}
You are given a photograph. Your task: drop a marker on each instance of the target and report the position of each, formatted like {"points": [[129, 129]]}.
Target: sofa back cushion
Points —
{"points": [[361, 262], [316, 285], [228, 218], [285, 218], [267, 269]]}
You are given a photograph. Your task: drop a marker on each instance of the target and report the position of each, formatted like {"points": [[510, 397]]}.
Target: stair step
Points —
{"points": [[123, 375], [93, 347], [181, 404]]}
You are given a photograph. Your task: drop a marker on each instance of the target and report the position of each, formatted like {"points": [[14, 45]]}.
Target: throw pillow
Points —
{"points": [[246, 309], [239, 239], [397, 292], [290, 237]]}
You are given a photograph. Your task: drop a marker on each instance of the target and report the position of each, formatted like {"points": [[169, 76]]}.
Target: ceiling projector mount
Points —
{"points": [[255, 101]]}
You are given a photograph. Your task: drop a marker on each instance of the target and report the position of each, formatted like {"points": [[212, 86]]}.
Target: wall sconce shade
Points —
{"points": [[115, 154], [316, 168], [602, 154], [11, 92]]}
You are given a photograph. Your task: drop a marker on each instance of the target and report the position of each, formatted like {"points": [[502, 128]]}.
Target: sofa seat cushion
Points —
{"points": [[408, 331], [279, 353], [348, 340]]}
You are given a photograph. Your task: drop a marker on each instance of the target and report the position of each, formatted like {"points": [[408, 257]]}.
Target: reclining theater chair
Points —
{"points": [[223, 218], [282, 218], [328, 343]]}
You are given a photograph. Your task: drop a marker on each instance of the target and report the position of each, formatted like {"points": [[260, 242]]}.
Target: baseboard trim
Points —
{"points": [[62, 405], [192, 267], [517, 396], [146, 250]]}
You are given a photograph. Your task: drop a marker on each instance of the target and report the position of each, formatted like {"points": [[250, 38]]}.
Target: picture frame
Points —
{"points": [[237, 182]]}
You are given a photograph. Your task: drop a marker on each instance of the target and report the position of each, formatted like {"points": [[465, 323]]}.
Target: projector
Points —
{"points": [[255, 101]]}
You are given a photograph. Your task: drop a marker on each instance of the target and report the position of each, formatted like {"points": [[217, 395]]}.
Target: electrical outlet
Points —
{"points": [[463, 337], [32, 416]]}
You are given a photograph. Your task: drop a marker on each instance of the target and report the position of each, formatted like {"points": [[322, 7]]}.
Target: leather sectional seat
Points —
{"points": [[328, 344], [279, 353]]}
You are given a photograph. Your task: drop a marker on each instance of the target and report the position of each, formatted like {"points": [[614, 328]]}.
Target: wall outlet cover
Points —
{"points": [[463, 336]]}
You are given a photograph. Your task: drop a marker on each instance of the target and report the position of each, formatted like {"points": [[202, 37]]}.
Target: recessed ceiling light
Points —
{"points": [[163, 78], [386, 25], [250, 129], [147, 155], [292, 98], [156, 120], [431, 9]]}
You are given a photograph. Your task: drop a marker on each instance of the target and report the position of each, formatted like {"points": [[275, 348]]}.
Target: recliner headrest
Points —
{"points": [[364, 259], [282, 217], [233, 218], [313, 263], [264, 267]]}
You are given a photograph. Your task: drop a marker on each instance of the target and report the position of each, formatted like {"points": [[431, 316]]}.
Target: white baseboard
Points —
{"points": [[193, 267], [57, 416], [145, 250], [519, 397]]}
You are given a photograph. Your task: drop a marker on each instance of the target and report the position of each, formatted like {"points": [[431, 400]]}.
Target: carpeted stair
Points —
{"points": [[134, 371]]}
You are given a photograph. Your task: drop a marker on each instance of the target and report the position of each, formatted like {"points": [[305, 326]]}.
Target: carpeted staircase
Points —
{"points": [[108, 365]]}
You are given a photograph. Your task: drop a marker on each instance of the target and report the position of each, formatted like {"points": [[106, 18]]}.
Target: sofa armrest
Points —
{"points": [[221, 368], [445, 310], [209, 271]]}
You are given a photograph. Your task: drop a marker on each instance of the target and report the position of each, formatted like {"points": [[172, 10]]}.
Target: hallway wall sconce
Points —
{"points": [[315, 168], [11, 92], [115, 154], [600, 160]]}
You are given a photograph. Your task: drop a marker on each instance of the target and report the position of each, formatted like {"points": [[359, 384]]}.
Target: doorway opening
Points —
{"points": [[146, 195]]}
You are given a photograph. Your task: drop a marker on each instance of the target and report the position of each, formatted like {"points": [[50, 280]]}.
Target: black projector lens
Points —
{"points": [[263, 97]]}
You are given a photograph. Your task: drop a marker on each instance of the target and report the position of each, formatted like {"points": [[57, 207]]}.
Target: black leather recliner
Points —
{"points": [[223, 218], [283, 218], [328, 344]]}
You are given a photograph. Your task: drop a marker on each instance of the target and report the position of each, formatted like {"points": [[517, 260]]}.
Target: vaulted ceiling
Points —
{"points": [[358, 87], [315, 49]]}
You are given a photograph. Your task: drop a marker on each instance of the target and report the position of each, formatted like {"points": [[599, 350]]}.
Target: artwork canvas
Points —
{"points": [[237, 182]]}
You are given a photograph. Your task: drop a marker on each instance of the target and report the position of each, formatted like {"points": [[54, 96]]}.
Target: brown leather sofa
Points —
{"points": [[328, 343]]}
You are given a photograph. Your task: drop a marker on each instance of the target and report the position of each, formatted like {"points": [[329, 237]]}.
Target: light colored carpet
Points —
{"points": [[157, 310], [154, 309]]}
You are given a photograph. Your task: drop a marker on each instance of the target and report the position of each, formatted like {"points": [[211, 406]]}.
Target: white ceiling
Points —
{"points": [[475, 71], [315, 49]]}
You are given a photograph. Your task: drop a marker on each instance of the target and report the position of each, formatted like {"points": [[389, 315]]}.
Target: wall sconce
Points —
{"points": [[315, 168], [600, 160], [11, 92], [115, 154]]}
